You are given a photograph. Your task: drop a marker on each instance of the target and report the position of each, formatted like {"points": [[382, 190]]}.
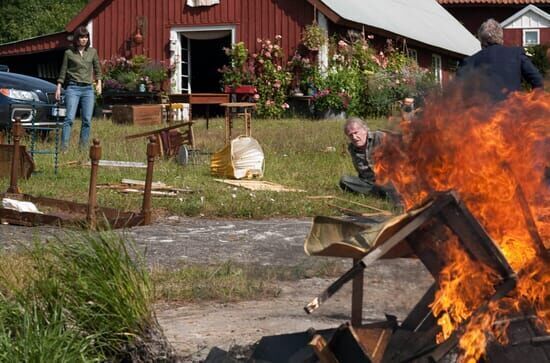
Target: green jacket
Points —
{"points": [[78, 68]]}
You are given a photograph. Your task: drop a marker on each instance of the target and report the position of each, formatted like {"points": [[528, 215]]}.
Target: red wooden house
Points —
{"points": [[191, 33], [525, 22]]}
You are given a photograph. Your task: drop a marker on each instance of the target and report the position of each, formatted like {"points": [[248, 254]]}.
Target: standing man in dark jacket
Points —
{"points": [[497, 70]]}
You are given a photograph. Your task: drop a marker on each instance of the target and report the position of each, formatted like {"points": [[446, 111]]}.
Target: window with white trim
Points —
{"points": [[413, 54], [531, 37], [437, 68], [185, 64]]}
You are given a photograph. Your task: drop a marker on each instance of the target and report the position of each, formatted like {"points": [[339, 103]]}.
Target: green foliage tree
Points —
{"points": [[22, 19], [539, 57]]}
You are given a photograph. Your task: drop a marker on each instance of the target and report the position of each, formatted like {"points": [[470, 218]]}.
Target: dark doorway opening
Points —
{"points": [[207, 57]]}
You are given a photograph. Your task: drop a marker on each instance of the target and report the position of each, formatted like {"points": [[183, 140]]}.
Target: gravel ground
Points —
{"points": [[391, 286]]}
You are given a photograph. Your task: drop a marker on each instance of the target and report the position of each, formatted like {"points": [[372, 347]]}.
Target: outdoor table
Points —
{"points": [[238, 109], [200, 99]]}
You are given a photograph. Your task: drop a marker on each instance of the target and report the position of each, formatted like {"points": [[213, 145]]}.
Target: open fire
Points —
{"points": [[496, 158]]}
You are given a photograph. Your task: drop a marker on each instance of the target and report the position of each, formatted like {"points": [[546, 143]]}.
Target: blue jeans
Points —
{"points": [[75, 95]]}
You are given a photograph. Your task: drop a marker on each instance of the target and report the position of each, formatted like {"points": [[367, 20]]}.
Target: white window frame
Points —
{"points": [[413, 54], [175, 50], [525, 31], [437, 66]]}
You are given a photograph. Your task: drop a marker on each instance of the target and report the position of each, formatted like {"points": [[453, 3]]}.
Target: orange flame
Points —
{"points": [[496, 157], [458, 295]]}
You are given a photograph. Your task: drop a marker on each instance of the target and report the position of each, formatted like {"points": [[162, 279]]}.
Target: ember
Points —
{"points": [[495, 157]]}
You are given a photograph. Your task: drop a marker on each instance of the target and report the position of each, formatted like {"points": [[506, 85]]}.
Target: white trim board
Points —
{"points": [[175, 47], [528, 17]]}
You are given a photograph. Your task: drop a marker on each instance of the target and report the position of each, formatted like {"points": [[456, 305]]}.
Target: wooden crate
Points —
{"points": [[140, 115]]}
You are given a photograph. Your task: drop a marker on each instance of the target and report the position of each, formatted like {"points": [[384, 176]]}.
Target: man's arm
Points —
{"points": [[529, 72]]}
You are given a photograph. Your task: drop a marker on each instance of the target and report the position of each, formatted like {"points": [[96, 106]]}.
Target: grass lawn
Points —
{"points": [[305, 154]]}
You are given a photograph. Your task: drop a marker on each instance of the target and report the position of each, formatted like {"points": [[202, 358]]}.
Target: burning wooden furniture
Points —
{"points": [[65, 213], [440, 233]]}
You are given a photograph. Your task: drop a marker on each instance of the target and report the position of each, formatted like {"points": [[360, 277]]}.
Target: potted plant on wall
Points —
{"points": [[314, 37], [238, 76], [138, 73]]}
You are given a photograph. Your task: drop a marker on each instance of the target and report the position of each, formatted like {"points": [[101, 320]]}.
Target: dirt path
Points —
{"points": [[391, 286]]}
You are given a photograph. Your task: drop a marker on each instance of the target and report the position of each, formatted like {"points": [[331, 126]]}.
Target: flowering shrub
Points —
{"points": [[336, 90], [241, 70], [272, 80], [120, 73], [264, 70], [304, 74], [363, 81]]}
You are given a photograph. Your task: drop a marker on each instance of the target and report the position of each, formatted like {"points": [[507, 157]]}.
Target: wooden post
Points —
{"points": [[228, 125], [17, 132], [248, 121], [191, 135], [152, 149], [357, 298], [95, 156]]}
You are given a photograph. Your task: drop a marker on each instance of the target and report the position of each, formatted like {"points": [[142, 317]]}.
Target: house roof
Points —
{"points": [[519, 14], [424, 21], [84, 14], [493, 2], [53, 41], [42, 43]]}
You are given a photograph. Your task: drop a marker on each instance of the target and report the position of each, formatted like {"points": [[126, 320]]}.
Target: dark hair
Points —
{"points": [[80, 31]]}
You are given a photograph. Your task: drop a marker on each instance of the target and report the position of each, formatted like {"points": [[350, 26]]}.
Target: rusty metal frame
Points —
{"points": [[67, 213]]}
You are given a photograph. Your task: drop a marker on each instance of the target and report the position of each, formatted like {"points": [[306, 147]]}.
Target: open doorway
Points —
{"points": [[206, 58], [202, 55]]}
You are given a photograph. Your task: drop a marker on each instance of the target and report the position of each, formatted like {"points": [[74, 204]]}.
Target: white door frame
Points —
{"points": [[175, 49]]}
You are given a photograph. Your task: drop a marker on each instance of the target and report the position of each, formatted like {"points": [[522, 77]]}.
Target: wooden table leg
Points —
{"points": [[227, 126], [357, 298], [248, 122], [207, 115]]}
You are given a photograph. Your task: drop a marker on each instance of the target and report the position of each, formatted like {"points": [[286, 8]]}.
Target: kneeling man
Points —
{"points": [[361, 147]]}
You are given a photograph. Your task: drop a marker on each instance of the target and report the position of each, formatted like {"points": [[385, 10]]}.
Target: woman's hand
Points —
{"points": [[98, 87], [58, 92]]}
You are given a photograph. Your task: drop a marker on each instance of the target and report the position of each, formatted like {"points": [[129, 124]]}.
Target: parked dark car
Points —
{"points": [[30, 98]]}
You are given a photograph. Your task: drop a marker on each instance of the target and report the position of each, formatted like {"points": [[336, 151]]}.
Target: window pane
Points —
{"points": [[531, 37]]}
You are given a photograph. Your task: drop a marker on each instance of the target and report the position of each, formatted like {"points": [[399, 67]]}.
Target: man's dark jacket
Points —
{"points": [[498, 70]]}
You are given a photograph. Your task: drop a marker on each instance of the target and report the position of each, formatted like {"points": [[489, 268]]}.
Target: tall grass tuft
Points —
{"points": [[85, 299]]}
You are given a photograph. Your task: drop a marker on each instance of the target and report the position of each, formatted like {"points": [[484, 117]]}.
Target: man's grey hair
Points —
{"points": [[489, 33], [355, 121]]}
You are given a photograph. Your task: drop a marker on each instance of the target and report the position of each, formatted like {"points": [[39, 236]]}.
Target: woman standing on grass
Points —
{"points": [[80, 62]]}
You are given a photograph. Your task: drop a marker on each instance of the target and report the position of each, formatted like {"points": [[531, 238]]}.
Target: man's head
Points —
{"points": [[357, 131], [489, 33]]}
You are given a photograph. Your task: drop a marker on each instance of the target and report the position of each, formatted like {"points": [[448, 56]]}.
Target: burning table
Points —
{"points": [[464, 261]]}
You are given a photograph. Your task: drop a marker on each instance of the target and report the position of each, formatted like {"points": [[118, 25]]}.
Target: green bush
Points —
{"points": [[84, 299], [365, 82], [539, 57], [265, 71]]}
